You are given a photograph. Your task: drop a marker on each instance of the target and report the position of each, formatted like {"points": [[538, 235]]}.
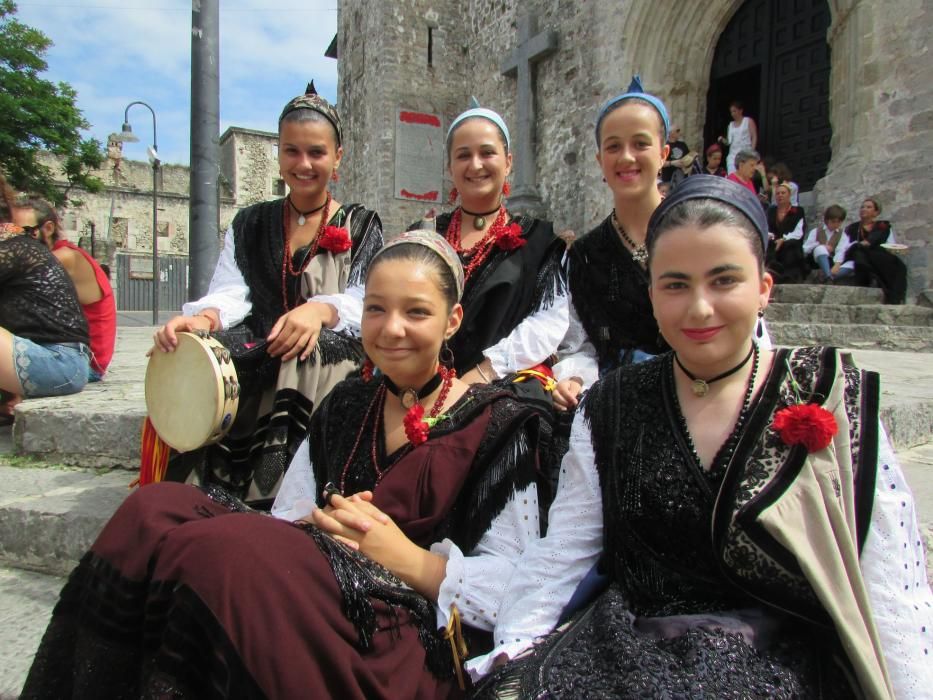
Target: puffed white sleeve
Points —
{"points": [[227, 292], [576, 354], [349, 306], [894, 571], [552, 567], [296, 496], [476, 583], [533, 340], [811, 241], [797, 233]]}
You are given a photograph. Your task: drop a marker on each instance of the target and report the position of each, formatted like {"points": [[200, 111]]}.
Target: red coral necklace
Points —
{"points": [[287, 267], [416, 428], [479, 252]]}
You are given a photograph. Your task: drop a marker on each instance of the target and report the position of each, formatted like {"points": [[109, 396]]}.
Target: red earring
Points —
{"points": [[506, 188], [335, 176], [453, 195], [367, 371]]}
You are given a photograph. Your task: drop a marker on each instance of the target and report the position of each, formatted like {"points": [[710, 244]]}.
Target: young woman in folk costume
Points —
{"points": [[514, 301], [745, 504], [611, 323], [404, 511], [285, 265]]}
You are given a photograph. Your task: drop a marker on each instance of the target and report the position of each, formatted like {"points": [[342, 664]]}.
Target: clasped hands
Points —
{"points": [[360, 525]]}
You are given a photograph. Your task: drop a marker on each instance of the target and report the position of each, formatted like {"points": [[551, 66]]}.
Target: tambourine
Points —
{"points": [[192, 393]]}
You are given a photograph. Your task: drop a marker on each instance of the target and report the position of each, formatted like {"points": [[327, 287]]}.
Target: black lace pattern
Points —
{"points": [[37, 297], [609, 291]]}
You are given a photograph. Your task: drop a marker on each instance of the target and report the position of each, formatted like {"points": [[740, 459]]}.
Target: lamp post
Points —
{"points": [[127, 135]]}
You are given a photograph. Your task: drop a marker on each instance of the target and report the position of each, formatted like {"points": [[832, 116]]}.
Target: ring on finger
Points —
{"points": [[330, 490]]}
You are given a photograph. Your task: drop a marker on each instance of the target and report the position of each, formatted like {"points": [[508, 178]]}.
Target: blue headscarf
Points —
{"points": [[635, 91], [477, 111], [719, 189]]}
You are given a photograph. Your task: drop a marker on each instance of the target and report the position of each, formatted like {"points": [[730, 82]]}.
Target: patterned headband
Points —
{"points": [[311, 100], [477, 111], [635, 92], [437, 243]]}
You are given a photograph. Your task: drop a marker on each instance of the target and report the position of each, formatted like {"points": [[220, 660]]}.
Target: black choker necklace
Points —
{"points": [[479, 218], [410, 393], [700, 387], [303, 215]]}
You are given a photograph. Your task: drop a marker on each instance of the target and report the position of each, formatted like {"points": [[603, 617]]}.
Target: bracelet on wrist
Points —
{"points": [[482, 374]]}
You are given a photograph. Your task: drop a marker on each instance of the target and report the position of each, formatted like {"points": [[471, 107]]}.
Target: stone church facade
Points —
{"points": [[430, 56]]}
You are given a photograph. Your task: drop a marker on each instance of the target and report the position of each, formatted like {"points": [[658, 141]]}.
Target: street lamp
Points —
{"points": [[128, 136]]}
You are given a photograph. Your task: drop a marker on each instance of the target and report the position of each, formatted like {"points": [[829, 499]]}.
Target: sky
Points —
{"points": [[113, 52]]}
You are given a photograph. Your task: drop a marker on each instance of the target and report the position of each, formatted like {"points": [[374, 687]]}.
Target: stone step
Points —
{"points": [[50, 515], [854, 336], [825, 294], [851, 314], [98, 427], [26, 602]]}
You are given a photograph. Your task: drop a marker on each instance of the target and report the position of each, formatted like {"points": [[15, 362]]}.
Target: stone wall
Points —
{"points": [[249, 163], [881, 102], [383, 49]]}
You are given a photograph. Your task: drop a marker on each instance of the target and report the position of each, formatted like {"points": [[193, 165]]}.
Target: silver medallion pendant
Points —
{"points": [[479, 222], [699, 387], [301, 220]]}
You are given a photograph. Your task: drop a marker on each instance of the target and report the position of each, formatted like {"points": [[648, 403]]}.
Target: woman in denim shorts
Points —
{"points": [[43, 333]]}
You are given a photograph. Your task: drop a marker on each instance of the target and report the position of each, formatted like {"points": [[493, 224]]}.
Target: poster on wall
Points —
{"points": [[419, 156]]}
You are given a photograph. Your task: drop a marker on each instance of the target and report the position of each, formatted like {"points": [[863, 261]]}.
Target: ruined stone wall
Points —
{"points": [[383, 49], [255, 165], [881, 105]]}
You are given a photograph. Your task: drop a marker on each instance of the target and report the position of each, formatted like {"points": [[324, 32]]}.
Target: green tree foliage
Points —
{"points": [[39, 115]]}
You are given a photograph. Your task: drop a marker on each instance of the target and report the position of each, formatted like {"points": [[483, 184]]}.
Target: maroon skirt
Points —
{"points": [[183, 597]]}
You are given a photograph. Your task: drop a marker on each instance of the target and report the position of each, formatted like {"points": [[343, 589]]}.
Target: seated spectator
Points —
{"points": [[780, 173], [868, 239], [713, 164], [92, 284], [43, 333], [745, 164], [676, 168], [826, 246], [786, 260]]}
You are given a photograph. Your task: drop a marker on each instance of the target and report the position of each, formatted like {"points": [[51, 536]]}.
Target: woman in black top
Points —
{"points": [[43, 332]]}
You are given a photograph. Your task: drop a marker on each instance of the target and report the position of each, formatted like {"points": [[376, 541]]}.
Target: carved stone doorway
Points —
{"points": [[773, 57]]}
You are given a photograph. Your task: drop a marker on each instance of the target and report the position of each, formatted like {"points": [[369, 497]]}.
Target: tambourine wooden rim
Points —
{"points": [[192, 393]]}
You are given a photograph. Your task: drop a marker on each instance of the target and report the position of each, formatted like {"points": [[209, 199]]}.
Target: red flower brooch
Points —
{"points": [[416, 428], [510, 238], [806, 424], [335, 239]]}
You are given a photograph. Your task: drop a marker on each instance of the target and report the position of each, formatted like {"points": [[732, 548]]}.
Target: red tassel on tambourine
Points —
{"points": [[154, 452]]}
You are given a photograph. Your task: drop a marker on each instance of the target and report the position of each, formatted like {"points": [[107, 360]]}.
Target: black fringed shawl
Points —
{"points": [[506, 461], [509, 287], [259, 245], [609, 291]]}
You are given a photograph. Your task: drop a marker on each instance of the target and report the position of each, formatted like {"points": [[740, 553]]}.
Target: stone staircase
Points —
{"points": [[846, 317]]}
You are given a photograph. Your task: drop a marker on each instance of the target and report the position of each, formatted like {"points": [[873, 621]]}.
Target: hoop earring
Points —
{"points": [[452, 198], [446, 355]]}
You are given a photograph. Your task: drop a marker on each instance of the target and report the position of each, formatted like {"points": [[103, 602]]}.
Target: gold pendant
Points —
{"points": [[479, 222], [699, 387]]}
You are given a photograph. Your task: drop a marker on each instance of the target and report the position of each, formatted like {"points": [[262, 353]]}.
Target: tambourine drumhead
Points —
{"points": [[185, 392]]}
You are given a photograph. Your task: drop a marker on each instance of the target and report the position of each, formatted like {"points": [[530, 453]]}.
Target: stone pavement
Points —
{"points": [[50, 510]]}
